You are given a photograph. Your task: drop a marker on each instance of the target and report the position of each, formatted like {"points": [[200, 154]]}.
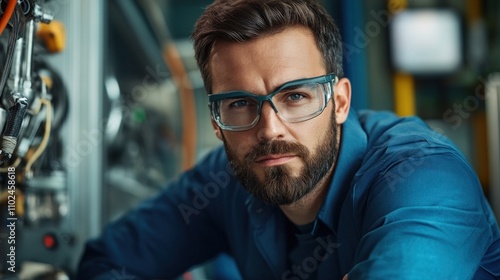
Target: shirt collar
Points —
{"points": [[353, 145]]}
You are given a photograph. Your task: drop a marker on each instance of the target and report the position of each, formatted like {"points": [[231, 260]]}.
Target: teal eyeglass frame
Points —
{"points": [[213, 98]]}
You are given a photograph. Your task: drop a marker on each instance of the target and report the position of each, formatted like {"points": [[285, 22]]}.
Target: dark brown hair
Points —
{"points": [[244, 20]]}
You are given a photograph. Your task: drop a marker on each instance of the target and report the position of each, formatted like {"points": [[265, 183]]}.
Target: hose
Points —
{"points": [[9, 11], [176, 66], [10, 52]]}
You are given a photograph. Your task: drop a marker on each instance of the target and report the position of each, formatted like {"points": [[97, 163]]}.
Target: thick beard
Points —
{"points": [[278, 187]]}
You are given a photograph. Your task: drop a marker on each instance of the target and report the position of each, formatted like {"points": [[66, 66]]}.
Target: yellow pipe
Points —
{"points": [[404, 94], [404, 84]]}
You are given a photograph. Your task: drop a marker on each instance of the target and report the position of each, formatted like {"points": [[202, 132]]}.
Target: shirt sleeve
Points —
{"points": [[165, 235], [423, 218]]}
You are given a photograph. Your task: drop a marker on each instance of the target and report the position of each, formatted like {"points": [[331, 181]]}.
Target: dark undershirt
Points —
{"points": [[301, 255]]}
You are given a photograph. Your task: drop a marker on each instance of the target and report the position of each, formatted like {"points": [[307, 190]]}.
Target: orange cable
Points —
{"points": [[187, 100], [9, 11], [174, 63]]}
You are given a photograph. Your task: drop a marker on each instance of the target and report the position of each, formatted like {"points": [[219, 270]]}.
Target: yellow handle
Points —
{"points": [[53, 35]]}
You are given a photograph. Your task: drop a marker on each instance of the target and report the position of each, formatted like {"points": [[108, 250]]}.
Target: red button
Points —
{"points": [[49, 241]]}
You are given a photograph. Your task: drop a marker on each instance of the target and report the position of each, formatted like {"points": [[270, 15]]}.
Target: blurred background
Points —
{"points": [[102, 104]]}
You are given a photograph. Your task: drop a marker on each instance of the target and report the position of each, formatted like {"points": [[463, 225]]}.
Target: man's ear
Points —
{"points": [[217, 130], [342, 97]]}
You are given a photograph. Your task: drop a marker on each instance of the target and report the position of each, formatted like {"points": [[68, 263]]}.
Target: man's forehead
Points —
{"points": [[276, 58]]}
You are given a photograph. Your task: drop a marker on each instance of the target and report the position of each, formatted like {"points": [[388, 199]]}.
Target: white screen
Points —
{"points": [[426, 41]]}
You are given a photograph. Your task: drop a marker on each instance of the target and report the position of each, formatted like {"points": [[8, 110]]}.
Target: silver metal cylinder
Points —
{"points": [[28, 59], [493, 122]]}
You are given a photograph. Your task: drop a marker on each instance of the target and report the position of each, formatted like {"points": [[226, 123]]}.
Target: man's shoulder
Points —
{"points": [[208, 189], [213, 175], [409, 165], [214, 157], [404, 150], [385, 126], [391, 135]]}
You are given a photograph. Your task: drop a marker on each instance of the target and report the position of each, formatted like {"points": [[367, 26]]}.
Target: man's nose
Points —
{"points": [[270, 126]]}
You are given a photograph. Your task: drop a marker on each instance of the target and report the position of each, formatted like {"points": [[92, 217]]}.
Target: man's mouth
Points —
{"points": [[274, 160]]}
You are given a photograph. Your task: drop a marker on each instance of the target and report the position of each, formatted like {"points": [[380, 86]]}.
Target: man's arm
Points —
{"points": [[160, 239], [423, 220]]}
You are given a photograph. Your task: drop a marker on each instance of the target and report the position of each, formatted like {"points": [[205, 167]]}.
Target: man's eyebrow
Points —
{"points": [[294, 87], [282, 86], [288, 87]]}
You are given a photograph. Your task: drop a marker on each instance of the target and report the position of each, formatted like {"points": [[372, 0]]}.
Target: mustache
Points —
{"points": [[277, 147]]}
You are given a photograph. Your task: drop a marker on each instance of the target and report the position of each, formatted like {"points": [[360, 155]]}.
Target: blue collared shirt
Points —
{"points": [[403, 204]]}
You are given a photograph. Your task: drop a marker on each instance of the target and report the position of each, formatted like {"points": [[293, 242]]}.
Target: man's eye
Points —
{"points": [[295, 96], [238, 103]]}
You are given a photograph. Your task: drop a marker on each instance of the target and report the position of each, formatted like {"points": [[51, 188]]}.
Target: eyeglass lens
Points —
{"points": [[292, 104]]}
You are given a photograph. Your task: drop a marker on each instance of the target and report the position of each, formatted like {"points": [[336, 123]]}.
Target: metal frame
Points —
{"points": [[493, 121], [81, 67]]}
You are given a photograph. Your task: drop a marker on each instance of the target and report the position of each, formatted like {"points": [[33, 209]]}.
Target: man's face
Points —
{"points": [[276, 161]]}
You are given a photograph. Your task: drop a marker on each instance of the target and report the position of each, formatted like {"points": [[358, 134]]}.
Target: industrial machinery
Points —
{"points": [[66, 173], [33, 108]]}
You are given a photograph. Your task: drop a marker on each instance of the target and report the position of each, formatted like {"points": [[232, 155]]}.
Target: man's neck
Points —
{"points": [[304, 211]]}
